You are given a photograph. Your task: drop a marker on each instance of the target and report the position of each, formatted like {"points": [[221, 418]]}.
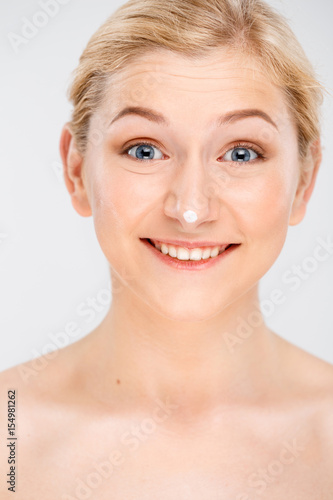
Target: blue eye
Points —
{"points": [[144, 151], [241, 154]]}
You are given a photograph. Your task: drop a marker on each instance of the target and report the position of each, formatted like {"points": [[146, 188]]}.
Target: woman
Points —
{"points": [[194, 145]]}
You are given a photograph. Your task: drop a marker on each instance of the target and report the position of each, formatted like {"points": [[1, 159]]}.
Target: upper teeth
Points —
{"points": [[193, 254]]}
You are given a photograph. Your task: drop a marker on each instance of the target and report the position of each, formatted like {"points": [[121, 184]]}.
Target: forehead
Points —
{"points": [[222, 81]]}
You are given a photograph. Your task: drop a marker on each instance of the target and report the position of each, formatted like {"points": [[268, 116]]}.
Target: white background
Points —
{"points": [[50, 260]]}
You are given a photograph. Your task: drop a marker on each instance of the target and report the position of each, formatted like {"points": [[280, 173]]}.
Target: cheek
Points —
{"points": [[108, 210], [260, 210], [120, 201], [263, 206]]}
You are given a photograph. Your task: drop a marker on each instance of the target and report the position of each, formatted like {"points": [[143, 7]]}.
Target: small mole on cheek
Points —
{"points": [[118, 381]]}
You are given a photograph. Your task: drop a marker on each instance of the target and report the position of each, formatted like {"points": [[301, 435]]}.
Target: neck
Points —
{"points": [[139, 356]]}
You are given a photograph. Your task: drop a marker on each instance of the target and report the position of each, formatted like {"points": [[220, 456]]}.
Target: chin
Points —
{"points": [[183, 308]]}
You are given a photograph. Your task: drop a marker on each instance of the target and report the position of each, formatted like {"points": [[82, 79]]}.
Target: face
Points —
{"points": [[225, 148]]}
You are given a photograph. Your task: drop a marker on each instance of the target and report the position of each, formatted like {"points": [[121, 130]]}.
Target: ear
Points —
{"points": [[73, 171], [306, 183]]}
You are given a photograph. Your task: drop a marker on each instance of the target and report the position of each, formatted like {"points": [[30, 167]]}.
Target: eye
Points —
{"points": [[143, 151], [241, 154]]}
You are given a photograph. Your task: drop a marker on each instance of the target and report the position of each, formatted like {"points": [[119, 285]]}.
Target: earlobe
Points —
{"points": [[73, 171], [306, 184]]}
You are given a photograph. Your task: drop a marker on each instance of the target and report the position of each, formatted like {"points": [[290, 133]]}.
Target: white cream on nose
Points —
{"points": [[190, 216]]}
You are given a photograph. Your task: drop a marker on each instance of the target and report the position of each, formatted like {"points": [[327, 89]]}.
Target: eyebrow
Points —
{"points": [[230, 117]]}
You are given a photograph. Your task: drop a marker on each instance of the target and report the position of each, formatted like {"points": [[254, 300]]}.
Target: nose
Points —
{"points": [[193, 192]]}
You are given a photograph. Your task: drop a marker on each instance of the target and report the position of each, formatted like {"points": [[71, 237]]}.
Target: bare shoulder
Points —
{"points": [[27, 396], [313, 373], [26, 384], [310, 380], [31, 377], [39, 386], [11, 388]]}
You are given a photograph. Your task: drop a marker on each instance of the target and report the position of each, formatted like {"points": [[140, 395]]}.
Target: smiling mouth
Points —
{"points": [[184, 254]]}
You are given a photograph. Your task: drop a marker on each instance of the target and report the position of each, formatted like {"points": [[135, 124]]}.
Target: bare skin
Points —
{"points": [[164, 399]]}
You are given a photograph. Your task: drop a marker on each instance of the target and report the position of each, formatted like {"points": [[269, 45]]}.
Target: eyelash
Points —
{"points": [[238, 145]]}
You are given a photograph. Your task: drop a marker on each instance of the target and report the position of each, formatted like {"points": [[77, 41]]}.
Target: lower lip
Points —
{"points": [[189, 265]]}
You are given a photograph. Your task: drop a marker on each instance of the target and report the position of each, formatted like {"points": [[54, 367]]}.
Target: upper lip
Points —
{"points": [[189, 244]]}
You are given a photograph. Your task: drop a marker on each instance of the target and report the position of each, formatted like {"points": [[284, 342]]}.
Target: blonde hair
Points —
{"points": [[192, 28]]}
